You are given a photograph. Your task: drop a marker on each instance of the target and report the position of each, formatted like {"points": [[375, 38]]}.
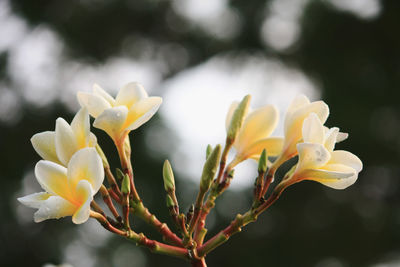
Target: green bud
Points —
{"points": [[102, 156], [237, 118], [170, 203], [208, 151], [262, 162], [126, 185], [210, 168], [231, 173], [120, 174], [168, 175]]}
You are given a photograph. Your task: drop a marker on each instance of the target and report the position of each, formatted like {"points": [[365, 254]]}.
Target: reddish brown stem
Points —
{"points": [[239, 222], [107, 200], [199, 263], [97, 208], [114, 196], [162, 228], [106, 224], [112, 182], [142, 240], [158, 247]]}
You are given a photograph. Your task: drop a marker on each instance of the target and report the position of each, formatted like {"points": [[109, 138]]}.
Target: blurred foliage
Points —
{"points": [[356, 63]]}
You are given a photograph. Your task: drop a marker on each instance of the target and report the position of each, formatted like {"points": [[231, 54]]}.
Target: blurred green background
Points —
{"points": [[199, 55]]}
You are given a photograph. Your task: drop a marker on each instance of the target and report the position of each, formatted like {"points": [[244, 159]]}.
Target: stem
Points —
{"points": [[258, 188], [240, 221], [142, 212], [111, 181], [97, 208], [268, 180], [200, 233], [224, 156], [107, 200], [197, 210], [125, 211], [106, 224], [199, 263], [142, 240], [158, 247], [126, 164]]}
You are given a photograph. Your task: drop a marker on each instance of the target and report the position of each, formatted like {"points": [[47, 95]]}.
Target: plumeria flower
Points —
{"points": [[68, 191], [58, 146], [319, 162], [299, 109], [128, 111], [253, 136]]}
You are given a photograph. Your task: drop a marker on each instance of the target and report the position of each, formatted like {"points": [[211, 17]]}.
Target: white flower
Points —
{"points": [[254, 135], [131, 108], [68, 191], [58, 146], [319, 162], [299, 109]]}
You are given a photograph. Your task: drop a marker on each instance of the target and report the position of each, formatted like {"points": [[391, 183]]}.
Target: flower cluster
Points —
{"points": [[71, 171], [304, 135], [74, 167]]}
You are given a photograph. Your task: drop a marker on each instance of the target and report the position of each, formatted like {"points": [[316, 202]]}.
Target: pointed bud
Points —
{"points": [[120, 174], [126, 185], [170, 203], [237, 119], [210, 168], [262, 162], [168, 175], [231, 173], [102, 156], [208, 151]]}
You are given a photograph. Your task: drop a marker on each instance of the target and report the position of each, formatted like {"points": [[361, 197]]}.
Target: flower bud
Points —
{"points": [[208, 151], [170, 203], [210, 168], [237, 119], [126, 185], [168, 175], [120, 174], [262, 162]]}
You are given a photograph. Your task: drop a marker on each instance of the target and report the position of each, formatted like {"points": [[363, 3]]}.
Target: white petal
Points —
{"points": [[330, 138], [333, 179], [273, 145], [312, 156], [54, 207], [313, 130], [112, 120], [34, 200], [45, 145], [66, 143], [85, 194], [258, 125], [298, 102], [94, 103], [52, 178], [130, 94], [142, 111], [295, 120], [97, 90], [346, 158], [92, 140], [231, 110], [86, 164], [81, 127], [341, 137]]}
